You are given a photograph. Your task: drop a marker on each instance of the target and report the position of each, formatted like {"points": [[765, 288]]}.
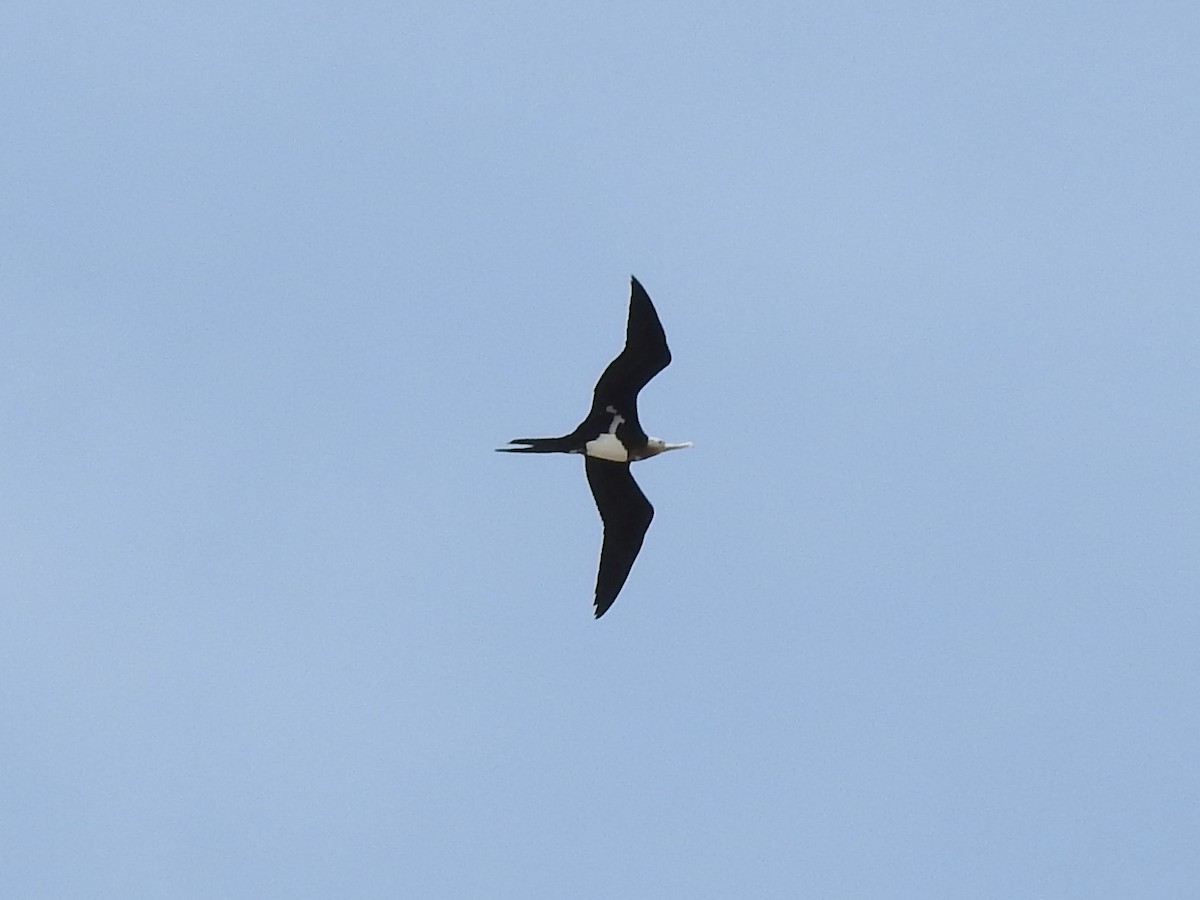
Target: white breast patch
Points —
{"points": [[607, 446]]}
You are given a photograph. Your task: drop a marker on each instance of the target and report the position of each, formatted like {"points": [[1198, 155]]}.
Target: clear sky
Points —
{"points": [[917, 615]]}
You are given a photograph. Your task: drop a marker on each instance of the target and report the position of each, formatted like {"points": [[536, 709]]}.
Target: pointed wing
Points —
{"points": [[626, 514], [644, 356]]}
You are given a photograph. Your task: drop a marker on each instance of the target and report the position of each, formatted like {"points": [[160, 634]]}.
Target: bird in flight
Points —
{"points": [[611, 438]]}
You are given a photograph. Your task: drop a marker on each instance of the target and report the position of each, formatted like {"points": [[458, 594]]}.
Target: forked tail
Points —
{"points": [[539, 445]]}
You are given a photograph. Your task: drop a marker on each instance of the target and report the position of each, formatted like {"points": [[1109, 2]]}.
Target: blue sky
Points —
{"points": [[917, 616]]}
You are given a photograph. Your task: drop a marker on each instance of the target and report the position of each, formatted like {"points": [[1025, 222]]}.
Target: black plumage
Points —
{"points": [[611, 438], [626, 514], [644, 356]]}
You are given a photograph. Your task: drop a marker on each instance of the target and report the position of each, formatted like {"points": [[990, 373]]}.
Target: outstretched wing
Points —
{"points": [[626, 514], [644, 356]]}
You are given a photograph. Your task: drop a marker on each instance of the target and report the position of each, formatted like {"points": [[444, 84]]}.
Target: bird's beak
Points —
{"points": [[682, 446]]}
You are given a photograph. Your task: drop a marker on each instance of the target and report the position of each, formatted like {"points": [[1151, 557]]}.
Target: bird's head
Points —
{"points": [[655, 446]]}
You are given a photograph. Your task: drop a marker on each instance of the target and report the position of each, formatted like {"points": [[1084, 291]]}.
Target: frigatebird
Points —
{"points": [[611, 438]]}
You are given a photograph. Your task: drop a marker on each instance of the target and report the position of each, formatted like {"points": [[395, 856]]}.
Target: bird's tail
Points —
{"points": [[539, 445]]}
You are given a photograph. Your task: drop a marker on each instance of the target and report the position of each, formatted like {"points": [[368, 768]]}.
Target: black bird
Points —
{"points": [[611, 438]]}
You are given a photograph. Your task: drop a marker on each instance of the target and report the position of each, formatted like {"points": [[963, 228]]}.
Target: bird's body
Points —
{"points": [[611, 437]]}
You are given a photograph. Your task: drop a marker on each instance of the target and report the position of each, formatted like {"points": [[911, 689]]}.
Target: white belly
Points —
{"points": [[607, 446]]}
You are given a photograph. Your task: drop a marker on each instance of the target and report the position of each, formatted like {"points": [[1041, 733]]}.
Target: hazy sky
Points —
{"points": [[918, 614]]}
